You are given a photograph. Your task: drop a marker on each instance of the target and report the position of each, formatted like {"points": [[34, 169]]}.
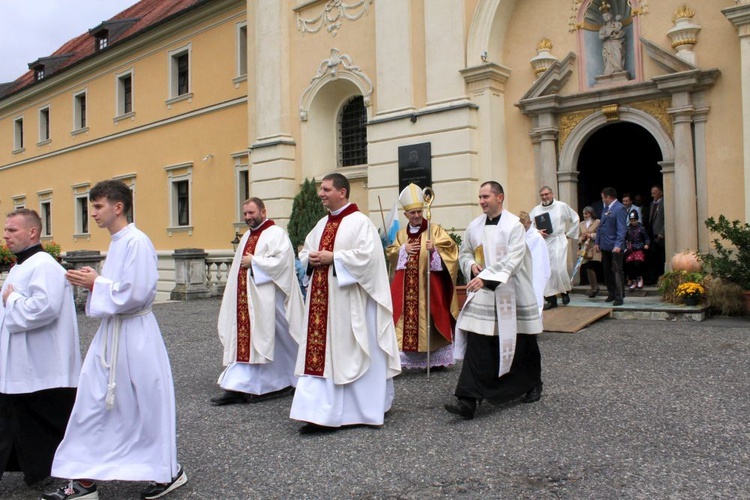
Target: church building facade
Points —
{"points": [[199, 104]]}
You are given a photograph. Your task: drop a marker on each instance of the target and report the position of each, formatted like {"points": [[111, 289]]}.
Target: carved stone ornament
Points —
{"points": [[544, 58], [637, 8], [659, 109], [333, 13], [612, 112], [684, 34], [337, 66]]}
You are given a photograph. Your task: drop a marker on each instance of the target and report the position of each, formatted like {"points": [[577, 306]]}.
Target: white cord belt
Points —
{"points": [[112, 365]]}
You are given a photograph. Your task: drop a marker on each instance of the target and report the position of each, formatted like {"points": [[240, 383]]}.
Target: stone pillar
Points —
{"points": [[393, 54], [739, 16], [684, 193], [444, 51], [545, 134], [272, 170], [486, 87], [700, 116], [190, 274], [670, 222], [78, 259]]}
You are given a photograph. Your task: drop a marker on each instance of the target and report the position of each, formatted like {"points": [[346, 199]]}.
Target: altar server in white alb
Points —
{"points": [[539, 257], [564, 222], [40, 359], [496, 329], [348, 355], [260, 346], [123, 424]]}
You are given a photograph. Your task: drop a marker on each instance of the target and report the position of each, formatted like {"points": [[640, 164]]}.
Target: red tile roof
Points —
{"points": [[147, 14]]}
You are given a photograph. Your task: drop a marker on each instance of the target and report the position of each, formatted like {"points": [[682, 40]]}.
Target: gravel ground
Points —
{"points": [[631, 409]]}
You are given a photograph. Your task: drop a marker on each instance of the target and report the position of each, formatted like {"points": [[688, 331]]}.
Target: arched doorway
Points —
{"points": [[622, 155]]}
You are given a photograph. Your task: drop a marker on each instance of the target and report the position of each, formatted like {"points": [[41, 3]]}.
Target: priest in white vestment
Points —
{"points": [[123, 425], [348, 354], [40, 358], [261, 314], [496, 329], [564, 222], [539, 258]]}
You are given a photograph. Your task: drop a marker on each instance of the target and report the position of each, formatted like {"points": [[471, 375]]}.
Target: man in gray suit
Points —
{"points": [[656, 233]]}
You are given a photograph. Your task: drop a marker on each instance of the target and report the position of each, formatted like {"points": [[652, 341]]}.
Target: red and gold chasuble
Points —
{"points": [[317, 316], [411, 292], [243, 310]]}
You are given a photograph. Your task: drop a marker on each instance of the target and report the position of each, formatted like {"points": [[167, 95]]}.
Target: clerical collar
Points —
{"points": [[336, 212], [493, 222], [23, 255], [256, 228]]}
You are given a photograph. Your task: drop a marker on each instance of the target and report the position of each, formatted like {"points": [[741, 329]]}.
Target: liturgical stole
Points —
{"points": [[243, 310], [317, 316]]}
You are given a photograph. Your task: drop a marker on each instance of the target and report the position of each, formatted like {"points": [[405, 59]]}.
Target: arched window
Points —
{"points": [[353, 133]]}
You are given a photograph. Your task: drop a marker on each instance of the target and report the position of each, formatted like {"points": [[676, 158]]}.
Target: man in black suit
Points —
{"points": [[656, 233]]}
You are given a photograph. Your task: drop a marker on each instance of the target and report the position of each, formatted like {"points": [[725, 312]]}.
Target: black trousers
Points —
{"points": [[614, 276], [31, 428], [478, 378]]}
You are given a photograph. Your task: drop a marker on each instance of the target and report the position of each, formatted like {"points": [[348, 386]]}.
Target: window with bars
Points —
{"points": [[182, 197], [353, 133]]}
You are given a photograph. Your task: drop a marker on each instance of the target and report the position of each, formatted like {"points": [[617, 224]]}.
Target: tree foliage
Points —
{"points": [[732, 264], [307, 210]]}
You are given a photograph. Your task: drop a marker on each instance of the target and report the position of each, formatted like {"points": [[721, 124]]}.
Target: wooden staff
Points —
{"points": [[429, 197]]}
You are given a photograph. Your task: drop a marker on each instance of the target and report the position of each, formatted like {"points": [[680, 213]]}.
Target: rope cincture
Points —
{"points": [[112, 365]]}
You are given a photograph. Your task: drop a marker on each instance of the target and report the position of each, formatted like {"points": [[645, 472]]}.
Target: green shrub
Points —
{"points": [[307, 210], [731, 264]]}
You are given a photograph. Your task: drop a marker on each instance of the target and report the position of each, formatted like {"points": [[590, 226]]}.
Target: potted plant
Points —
{"points": [[7, 258], [730, 262], [54, 249], [690, 292]]}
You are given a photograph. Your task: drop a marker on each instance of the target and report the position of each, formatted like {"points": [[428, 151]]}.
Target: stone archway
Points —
{"points": [[573, 144]]}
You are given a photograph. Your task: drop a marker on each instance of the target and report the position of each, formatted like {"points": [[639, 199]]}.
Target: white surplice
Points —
{"points": [[564, 226], [38, 329], [136, 439], [361, 355], [540, 260], [272, 286], [512, 307]]}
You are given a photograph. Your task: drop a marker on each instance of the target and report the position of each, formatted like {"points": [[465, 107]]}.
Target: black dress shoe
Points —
{"points": [[549, 305], [609, 299], [257, 398], [230, 398], [533, 395], [593, 293], [465, 408], [617, 302], [310, 428], [566, 299]]}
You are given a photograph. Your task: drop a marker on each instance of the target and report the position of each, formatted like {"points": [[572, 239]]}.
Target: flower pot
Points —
{"points": [[691, 301]]}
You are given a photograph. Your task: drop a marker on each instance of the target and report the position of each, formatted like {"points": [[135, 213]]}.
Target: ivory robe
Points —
{"points": [[540, 264], [564, 225], [40, 362], [361, 354], [136, 439], [271, 286]]}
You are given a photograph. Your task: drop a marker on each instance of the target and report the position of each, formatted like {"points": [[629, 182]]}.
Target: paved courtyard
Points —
{"points": [[631, 409]]}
